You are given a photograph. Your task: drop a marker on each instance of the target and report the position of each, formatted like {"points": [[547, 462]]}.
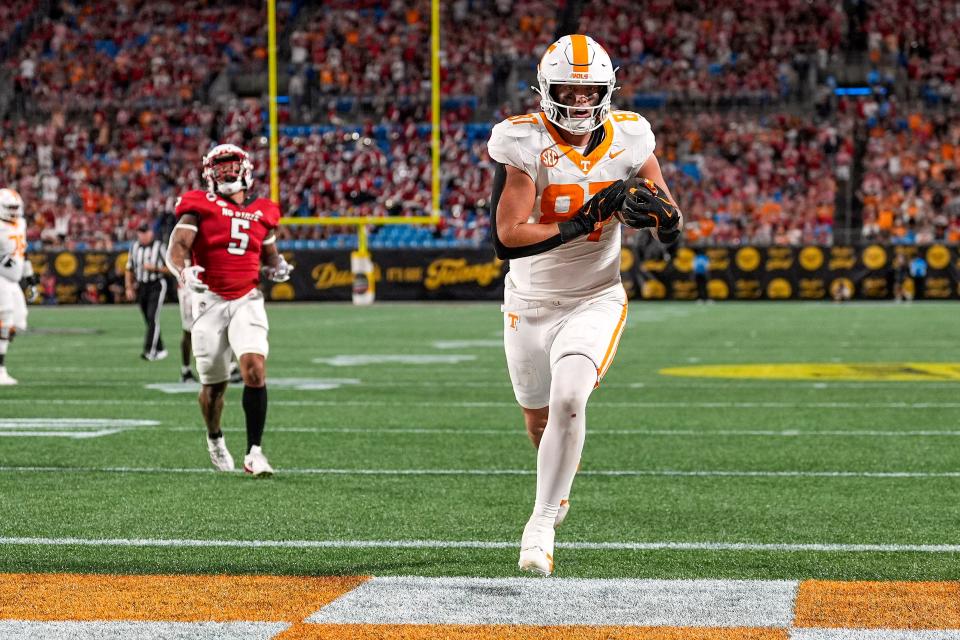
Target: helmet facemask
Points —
{"points": [[575, 118], [227, 170]]}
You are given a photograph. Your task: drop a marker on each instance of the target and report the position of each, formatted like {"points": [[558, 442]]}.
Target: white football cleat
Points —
{"points": [[536, 548], [219, 455], [561, 513], [5, 378], [255, 463]]}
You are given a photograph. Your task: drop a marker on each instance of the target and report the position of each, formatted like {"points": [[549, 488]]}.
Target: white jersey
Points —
{"points": [[565, 179], [13, 249]]}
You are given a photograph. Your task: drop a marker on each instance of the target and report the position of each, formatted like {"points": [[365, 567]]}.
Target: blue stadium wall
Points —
{"points": [[740, 273]]}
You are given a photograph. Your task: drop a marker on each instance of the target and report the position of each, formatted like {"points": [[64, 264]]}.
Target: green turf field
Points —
{"points": [[803, 462]]}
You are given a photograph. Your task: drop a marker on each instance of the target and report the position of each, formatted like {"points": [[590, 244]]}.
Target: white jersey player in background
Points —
{"points": [[14, 267], [560, 177]]}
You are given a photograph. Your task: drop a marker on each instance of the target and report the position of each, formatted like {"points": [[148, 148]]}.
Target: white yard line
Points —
{"points": [[481, 544], [699, 433], [718, 473], [142, 630], [873, 634], [511, 404]]}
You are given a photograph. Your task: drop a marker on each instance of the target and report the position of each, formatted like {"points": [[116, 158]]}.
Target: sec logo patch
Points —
{"points": [[549, 157]]}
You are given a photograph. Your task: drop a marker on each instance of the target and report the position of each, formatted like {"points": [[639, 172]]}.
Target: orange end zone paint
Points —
{"points": [[59, 596], [878, 605]]}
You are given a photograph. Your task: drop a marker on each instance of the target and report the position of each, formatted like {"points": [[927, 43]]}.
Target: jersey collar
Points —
{"points": [[589, 161]]}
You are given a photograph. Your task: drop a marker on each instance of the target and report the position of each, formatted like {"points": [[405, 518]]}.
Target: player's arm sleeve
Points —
{"points": [[509, 253]]}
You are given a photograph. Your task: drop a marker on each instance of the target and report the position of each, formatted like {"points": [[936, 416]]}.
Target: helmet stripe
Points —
{"points": [[581, 54]]}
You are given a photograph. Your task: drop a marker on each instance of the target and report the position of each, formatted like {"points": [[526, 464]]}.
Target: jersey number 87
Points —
{"points": [[574, 193]]}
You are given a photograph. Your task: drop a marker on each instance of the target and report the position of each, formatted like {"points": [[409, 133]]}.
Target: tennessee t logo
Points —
{"points": [[514, 319]]}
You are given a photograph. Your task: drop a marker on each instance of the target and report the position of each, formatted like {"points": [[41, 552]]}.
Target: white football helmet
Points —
{"points": [[575, 59], [227, 169], [11, 205]]}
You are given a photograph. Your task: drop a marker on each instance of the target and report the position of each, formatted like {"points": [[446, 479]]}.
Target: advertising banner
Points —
{"points": [[733, 273]]}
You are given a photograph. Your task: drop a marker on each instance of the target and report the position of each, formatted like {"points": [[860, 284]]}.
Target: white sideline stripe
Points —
{"points": [[71, 423], [76, 435], [490, 404], [482, 544], [647, 603], [507, 472], [873, 634], [103, 630], [797, 385], [787, 433]]}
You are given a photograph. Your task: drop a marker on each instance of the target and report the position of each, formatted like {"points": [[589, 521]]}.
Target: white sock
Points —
{"points": [[574, 377]]}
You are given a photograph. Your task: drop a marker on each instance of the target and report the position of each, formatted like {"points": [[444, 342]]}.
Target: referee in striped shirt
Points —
{"points": [[146, 283]]}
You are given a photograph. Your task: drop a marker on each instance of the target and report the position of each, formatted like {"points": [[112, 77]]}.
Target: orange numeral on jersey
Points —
{"points": [[528, 118], [575, 198], [624, 116], [19, 245]]}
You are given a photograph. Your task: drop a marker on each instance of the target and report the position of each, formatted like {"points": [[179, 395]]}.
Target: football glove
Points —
{"points": [[279, 272], [591, 216], [30, 289], [645, 208], [190, 278]]}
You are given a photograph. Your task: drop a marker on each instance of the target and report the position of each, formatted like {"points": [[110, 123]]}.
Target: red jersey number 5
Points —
{"points": [[239, 236]]}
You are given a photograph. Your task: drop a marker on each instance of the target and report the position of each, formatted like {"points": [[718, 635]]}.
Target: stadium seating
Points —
{"points": [[109, 119]]}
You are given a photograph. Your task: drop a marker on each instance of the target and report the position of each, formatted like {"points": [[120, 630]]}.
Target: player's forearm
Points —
{"points": [[176, 256], [270, 256], [526, 233]]}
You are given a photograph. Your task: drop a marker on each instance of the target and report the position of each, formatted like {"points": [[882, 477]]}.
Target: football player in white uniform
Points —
{"points": [[14, 267], [561, 175]]}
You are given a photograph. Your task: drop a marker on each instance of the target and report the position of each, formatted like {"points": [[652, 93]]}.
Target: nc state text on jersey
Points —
{"points": [[246, 215]]}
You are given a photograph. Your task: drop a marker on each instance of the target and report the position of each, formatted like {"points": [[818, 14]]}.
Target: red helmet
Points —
{"points": [[227, 169]]}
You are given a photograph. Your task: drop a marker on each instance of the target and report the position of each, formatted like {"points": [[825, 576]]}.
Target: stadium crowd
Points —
{"points": [[719, 53], [910, 192], [120, 55], [137, 124]]}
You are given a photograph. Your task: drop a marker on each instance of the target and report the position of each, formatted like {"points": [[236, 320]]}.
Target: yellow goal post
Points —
{"points": [[360, 222]]}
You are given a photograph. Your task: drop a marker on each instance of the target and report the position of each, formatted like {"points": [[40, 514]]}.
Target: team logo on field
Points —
{"points": [[825, 371], [549, 157]]}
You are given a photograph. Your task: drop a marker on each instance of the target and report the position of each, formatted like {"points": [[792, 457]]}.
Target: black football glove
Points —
{"points": [[600, 208], [644, 208], [30, 289]]}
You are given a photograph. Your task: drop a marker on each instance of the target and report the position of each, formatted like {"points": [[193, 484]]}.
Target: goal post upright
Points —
{"points": [[360, 260]]}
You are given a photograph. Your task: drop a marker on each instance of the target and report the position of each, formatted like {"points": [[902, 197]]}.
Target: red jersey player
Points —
{"points": [[226, 234]]}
